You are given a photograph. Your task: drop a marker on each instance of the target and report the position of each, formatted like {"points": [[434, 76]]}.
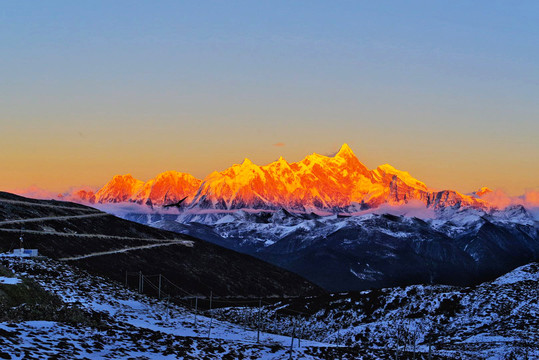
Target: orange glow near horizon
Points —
{"points": [[68, 166]]}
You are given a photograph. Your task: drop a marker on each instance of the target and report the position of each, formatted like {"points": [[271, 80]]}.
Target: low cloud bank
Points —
{"points": [[415, 208], [501, 200], [124, 208], [35, 192], [73, 194]]}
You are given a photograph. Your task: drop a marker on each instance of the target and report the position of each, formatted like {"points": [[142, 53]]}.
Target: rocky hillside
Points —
{"points": [[495, 320]]}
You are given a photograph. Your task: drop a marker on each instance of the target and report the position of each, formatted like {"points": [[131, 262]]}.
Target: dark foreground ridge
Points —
{"points": [[106, 245]]}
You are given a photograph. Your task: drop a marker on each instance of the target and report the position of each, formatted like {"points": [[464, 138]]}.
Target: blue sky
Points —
{"points": [[445, 90]]}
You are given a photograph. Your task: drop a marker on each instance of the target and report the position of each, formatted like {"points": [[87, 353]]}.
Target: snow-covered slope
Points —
{"points": [[131, 325], [494, 320]]}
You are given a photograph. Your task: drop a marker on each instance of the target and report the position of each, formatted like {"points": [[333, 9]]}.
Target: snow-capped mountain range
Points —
{"points": [[339, 252], [335, 222], [334, 184]]}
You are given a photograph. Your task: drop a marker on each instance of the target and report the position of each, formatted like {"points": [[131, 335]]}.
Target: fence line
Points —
{"points": [[248, 318]]}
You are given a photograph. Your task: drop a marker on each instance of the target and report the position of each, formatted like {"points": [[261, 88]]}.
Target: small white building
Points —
{"points": [[25, 252]]}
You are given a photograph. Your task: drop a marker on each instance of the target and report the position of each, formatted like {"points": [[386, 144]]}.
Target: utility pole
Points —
{"points": [[21, 240], [292, 342], [139, 282], [142, 283], [430, 347], [126, 278], [159, 294], [196, 310], [415, 339], [300, 335], [398, 341], [167, 315], [258, 327], [211, 317], [244, 320]]}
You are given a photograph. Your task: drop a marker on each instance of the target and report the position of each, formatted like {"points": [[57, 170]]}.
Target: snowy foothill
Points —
{"points": [[492, 320], [99, 294], [523, 273], [495, 320], [133, 313]]}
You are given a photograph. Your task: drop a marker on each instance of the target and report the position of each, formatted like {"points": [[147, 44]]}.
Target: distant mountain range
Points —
{"points": [[335, 222], [339, 253], [335, 184]]}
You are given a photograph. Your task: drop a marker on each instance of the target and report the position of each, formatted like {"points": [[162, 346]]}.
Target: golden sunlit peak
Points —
{"points": [[345, 151], [126, 176], [316, 181], [403, 175], [388, 168], [484, 190]]}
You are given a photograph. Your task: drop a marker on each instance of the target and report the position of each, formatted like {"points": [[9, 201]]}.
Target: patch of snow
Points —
{"points": [[9, 280], [523, 273], [226, 219]]}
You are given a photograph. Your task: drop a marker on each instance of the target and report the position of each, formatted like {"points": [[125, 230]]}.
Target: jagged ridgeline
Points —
{"points": [[110, 246], [332, 183]]}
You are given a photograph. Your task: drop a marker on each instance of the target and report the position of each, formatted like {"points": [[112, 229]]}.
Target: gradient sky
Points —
{"points": [[447, 90]]}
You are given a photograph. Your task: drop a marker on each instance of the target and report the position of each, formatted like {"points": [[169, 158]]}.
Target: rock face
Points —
{"points": [[335, 184]]}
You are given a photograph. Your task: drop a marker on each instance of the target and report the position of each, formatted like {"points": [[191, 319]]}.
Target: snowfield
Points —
{"points": [[9, 280], [137, 326], [495, 320]]}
